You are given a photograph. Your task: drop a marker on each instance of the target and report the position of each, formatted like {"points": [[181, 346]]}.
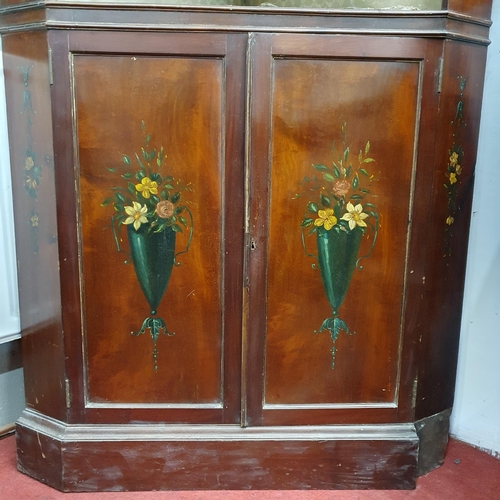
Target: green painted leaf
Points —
{"points": [[155, 199], [348, 171], [346, 154], [168, 178], [356, 197], [127, 175], [139, 175], [336, 171], [169, 186], [307, 222], [321, 168], [312, 207], [325, 201], [106, 202], [177, 228], [179, 210], [368, 160], [119, 197], [365, 191], [175, 197], [364, 172], [111, 169], [328, 177], [355, 181], [312, 230], [148, 138], [164, 194], [131, 188], [126, 160], [182, 220], [367, 147]]}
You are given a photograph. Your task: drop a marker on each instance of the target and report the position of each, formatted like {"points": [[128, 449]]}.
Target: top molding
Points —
{"points": [[142, 15]]}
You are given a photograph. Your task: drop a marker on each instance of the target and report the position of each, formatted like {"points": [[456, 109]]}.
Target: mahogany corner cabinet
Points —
{"points": [[241, 232]]}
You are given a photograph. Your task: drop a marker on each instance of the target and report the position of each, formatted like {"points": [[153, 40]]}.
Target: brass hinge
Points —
{"points": [[51, 72], [68, 394], [440, 75]]}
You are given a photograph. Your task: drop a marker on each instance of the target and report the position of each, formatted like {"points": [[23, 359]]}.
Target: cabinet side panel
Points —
{"points": [[448, 234], [33, 181]]}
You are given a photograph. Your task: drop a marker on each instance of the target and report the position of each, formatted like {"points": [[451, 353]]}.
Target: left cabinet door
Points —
{"points": [[149, 155]]}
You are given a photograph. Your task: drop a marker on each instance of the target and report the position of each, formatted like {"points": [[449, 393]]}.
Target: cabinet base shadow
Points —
{"points": [[128, 457]]}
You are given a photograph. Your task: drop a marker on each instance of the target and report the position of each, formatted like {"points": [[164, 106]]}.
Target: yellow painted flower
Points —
{"points": [[458, 169], [147, 187], [136, 215], [31, 183], [453, 159], [355, 216], [453, 178], [450, 220], [29, 163], [326, 219]]}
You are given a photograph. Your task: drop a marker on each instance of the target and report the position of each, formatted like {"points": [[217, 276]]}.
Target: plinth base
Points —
{"points": [[98, 457]]}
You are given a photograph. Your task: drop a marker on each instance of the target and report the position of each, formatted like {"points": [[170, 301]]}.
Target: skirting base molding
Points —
{"points": [[128, 457]]}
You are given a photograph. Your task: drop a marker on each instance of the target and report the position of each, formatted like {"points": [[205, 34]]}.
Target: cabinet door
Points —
{"points": [[152, 273], [341, 145]]}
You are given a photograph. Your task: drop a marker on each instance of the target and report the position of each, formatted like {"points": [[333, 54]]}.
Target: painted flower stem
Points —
{"points": [[155, 327], [334, 325]]}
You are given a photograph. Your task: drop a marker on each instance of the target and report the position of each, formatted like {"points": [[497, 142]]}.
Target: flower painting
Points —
{"points": [[149, 204], [339, 212], [454, 168]]}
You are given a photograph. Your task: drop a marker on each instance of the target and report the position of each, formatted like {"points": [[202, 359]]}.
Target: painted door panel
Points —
{"points": [[332, 231], [157, 158]]}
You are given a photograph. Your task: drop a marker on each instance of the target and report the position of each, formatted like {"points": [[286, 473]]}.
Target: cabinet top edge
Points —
{"points": [[135, 16], [14, 6]]}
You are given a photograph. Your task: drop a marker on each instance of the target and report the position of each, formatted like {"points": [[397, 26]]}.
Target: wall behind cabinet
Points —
{"points": [[11, 375], [477, 395]]}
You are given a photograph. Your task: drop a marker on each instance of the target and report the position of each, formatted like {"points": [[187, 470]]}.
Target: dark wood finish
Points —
{"points": [[145, 457], [236, 97], [468, 20], [30, 142], [281, 279], [447, 255], [95, 119]]}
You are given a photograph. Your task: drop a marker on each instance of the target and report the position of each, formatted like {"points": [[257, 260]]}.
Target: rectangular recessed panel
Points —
{"points": [[149, 143], [343, 135]]}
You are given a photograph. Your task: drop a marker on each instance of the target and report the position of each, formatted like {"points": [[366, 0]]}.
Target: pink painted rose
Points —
{"points": [[340, 188], [165, 209]]}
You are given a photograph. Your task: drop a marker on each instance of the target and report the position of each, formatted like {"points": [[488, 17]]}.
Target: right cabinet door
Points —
{"points": [[342, 132]]}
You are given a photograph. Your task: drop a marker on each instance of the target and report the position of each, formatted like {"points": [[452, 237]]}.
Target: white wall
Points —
{"points": [[9, 306], [476, 414], [11, 381]]}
